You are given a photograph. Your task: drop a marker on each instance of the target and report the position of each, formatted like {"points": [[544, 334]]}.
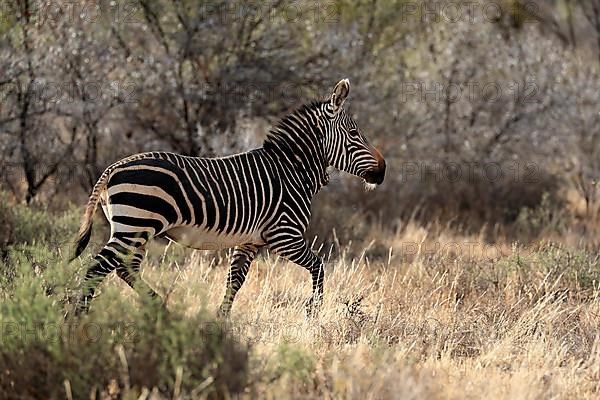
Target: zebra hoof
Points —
{"points": [[157, 304], [82, 307], [313, 307], [73, 312], [223, 312]]}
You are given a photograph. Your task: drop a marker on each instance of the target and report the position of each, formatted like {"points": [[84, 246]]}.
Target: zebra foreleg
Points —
{"points": [[299, 253], [240, 263], [317, 273]]}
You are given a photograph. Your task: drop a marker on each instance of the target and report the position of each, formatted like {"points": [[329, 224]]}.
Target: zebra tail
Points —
{"points": [[85, 230]]}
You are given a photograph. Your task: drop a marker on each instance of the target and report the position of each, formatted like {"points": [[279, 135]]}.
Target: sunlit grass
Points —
{"points": [[420, 313], [435, 325]]}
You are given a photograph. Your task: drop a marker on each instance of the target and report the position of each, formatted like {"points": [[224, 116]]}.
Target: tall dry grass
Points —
{"points": [[425, 312], [438, 316]]}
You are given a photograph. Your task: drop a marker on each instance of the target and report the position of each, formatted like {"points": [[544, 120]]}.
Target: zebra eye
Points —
{"points": [[353, 132]]}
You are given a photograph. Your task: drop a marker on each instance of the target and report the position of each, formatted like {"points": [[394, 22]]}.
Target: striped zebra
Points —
{"points": [[260, 198]]}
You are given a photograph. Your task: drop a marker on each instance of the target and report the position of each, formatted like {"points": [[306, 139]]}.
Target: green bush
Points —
{"points": [[26, 225], [119, 348], [293, 363]]}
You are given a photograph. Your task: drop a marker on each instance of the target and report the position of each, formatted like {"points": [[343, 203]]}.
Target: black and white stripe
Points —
{"points": [[247, 201]]}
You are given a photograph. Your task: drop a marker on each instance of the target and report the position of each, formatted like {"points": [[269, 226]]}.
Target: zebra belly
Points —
{"points": [[203, 239]]}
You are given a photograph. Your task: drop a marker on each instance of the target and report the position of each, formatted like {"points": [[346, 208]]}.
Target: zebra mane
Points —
{"points": [[281, 133], [290, 139]]}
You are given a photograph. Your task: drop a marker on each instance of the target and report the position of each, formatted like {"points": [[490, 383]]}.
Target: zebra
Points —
{"points": [[260, 198]]}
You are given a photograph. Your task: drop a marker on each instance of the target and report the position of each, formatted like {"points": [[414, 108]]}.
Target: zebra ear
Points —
{"points": [[339, 95]]}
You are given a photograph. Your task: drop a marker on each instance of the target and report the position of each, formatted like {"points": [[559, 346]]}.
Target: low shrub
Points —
{"points": [[120, 349], [27, 225]]}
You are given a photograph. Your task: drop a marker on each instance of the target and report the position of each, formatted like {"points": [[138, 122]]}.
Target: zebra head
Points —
{"points": [[347, 148]]}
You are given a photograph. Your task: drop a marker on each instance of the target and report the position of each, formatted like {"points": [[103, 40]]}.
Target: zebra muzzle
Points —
{"points": [[376, 174]]}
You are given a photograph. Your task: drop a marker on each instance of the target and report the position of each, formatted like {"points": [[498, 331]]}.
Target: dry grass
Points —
{"points": [[449, 318], [422, 313]]}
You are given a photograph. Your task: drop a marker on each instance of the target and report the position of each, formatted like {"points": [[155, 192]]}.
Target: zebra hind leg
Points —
{"points": [[103, 264], [129, 271], [240, 263]]}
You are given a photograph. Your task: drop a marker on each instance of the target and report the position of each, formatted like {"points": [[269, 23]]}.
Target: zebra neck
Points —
{"points": [[297, 140], [310, 170]]}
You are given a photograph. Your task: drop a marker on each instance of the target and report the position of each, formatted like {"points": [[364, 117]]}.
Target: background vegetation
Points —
{"points": [[471, 272]]}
